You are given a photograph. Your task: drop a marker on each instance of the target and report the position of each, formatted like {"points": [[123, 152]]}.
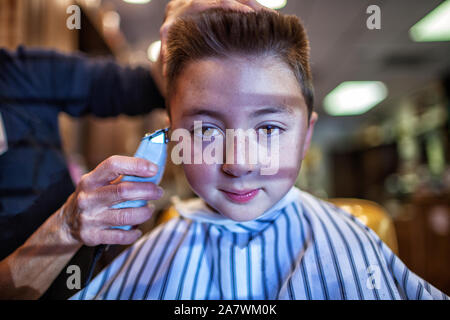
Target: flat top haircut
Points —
{"points": [[227, 33]]}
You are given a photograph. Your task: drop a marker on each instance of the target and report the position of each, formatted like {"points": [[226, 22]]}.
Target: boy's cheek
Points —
{"points": [[199, 175], [288, 159], [291, 147]]}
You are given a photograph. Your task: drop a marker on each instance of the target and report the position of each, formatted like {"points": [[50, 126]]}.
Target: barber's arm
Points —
{"points": [[85, 218], [79, 85]]}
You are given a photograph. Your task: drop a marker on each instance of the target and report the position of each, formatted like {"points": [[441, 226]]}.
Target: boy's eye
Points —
{"points": [[269, 130], [207, 132]]}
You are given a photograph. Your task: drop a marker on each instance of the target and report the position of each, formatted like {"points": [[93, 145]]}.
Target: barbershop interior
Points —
{"points": [[381, 75]]}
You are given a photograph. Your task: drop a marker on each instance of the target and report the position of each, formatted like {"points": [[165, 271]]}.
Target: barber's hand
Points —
{"points": [[179, 8], [87, 214]]}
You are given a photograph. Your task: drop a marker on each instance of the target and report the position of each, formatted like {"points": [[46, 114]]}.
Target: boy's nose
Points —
{"points": [[241, 156], [238, 170]]}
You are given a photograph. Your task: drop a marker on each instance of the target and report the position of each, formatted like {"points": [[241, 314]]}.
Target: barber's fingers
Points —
{"points": [[116, 236], [240, 5], [115, 166], [124, 217], [255, 5], [107, 196]]}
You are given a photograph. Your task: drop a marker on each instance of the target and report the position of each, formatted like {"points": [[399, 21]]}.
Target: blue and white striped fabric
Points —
{"points": [[302, 248]]}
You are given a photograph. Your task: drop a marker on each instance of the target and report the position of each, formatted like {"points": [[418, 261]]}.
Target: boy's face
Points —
{"points": [[259, 93]]}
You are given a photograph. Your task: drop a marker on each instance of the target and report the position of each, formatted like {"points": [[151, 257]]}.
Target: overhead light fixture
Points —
{"points": [[153, 51], [137, 1], [273, 4], [435, 26], [354, 97]]}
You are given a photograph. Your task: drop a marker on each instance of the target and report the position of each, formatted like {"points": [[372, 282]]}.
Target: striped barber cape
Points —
{"points": [[302, 248]]}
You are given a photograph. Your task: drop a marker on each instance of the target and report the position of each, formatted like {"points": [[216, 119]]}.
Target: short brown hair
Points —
{"points": [[224, 32]]}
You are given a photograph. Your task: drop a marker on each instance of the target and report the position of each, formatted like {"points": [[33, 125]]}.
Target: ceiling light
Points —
{"points": [[153, 51], [273, 4], [354, 97], [435, 26]]}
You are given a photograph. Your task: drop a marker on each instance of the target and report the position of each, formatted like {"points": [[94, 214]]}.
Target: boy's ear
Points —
{"points": [[312, 121]]}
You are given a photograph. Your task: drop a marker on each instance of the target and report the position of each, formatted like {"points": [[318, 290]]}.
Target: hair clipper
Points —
{"points": [[153, 147]]}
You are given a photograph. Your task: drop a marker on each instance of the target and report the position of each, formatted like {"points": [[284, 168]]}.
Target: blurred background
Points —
{"points": [[382, 95]]}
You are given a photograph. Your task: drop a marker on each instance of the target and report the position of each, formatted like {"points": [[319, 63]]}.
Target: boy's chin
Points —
{"points": [[241, 213]]}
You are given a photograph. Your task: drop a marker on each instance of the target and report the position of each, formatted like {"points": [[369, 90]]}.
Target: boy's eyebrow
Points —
{"points": [[272, 109], [215, 114], [202, 112]]}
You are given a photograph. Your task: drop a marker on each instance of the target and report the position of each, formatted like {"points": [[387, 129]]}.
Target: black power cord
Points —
{"points": [[97, 254]]}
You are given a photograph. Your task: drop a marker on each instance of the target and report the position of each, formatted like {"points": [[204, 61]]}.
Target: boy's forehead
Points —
{"points": [[258, 86], [255, 109]]}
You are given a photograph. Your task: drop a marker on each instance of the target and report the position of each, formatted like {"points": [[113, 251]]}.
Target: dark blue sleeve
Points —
{"points": [[76, 84]]}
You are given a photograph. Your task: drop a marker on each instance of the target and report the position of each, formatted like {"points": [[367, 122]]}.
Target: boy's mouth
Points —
{"points": [[240, 196]]}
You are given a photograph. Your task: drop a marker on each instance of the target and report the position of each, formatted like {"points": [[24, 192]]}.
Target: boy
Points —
{"points": [[251, 236]]}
